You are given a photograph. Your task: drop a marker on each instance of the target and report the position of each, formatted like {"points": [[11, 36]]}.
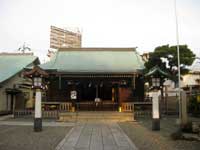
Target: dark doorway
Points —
{"points": [[105, 93], [89, 93]]}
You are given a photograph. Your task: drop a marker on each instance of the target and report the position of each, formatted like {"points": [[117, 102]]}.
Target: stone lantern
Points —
{"points": [[37, 75], [155, 77]]}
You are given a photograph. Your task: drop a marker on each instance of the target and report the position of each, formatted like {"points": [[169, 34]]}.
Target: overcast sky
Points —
{"points": [[145, 24]]}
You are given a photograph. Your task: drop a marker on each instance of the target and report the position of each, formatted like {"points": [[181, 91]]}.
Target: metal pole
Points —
{"points": [[178, 56]]}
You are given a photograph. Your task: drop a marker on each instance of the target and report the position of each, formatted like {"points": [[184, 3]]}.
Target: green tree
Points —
{"points": [[166, 58]]}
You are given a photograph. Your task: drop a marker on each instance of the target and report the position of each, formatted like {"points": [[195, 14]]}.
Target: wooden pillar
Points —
{"points": [[133, 82], [60, 84], [117, 93], [13, 107], [97, 92], [7, 102], [113, 94]]}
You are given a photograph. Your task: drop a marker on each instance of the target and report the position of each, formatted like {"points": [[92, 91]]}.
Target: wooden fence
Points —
{"points": [[30, 113], [100, 106], [140, 109], [52, 110], [23, 113], [49, 110]]}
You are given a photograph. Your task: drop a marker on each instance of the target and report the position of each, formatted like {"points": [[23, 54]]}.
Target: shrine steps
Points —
{"points": [[95, 115]]}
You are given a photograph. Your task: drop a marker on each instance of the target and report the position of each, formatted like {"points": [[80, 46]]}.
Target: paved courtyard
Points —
{"points": [[99, 135], [141, 134], [17, 137], [91, 135]]}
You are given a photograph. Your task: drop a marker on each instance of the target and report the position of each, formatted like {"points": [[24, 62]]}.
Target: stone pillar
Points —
{"points": [[166, 98], [38, 111], [184, 117], [155, 111]]}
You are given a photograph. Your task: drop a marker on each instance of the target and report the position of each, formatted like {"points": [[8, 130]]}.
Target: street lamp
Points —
{"points": [[37, 85], [37, 75], [156, 78]]}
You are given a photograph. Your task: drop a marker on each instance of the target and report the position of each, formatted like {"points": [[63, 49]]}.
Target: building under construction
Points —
{"points": [[64, 38]]}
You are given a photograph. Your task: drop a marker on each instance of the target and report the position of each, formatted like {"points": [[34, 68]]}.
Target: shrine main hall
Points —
{"points": [[93, 78]]}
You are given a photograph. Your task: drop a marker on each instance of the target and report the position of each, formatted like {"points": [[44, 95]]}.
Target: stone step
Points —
{"points": [[68, 116]]}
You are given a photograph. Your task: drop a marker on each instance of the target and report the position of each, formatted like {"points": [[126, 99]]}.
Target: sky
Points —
{"points": [[144, 24]]}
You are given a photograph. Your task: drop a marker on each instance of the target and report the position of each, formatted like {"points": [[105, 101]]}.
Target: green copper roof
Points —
{"points": [[156, 70], [11, 64], [96, 60]]}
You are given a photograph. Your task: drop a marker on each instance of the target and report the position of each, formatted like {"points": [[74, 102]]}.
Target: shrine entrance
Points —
{"points": [[96, 98], [89, 93]]}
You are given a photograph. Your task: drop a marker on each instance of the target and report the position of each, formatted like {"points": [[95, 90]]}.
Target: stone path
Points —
{"points": [[96, 136]]}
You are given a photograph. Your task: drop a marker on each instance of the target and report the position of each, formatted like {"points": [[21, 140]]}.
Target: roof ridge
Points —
{"points": [[16, 54], [98, 49]]}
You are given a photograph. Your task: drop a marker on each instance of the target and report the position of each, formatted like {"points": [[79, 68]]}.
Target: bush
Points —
{"points": [[187, 127], [194, 106], [177, 135]]}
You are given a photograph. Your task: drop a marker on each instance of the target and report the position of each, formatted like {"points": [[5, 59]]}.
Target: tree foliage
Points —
{"points": [[166, 58]]}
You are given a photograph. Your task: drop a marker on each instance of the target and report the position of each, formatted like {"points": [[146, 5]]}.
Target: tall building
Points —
{"points": [[60, 38]]}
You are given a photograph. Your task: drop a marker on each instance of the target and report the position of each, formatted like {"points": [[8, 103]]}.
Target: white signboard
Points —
{"points": [[73, 95]]}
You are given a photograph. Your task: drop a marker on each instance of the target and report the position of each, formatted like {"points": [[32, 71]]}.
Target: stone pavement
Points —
{"points": [[101, 135]]}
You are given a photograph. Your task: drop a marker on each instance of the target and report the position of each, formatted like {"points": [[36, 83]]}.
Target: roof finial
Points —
{"points": [[24, 48]]}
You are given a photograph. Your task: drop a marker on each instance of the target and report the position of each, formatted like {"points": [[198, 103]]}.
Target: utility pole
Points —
{"points": [[178, 56]]}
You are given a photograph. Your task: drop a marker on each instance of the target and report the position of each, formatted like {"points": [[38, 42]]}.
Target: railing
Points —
{"points": [[139, 114], [50, 114], [49, 110], [65, 106], [97, 106], [52, 109], [128, 107], [59, 106], [84, 106], [23, 113], [30, 113], [140, 109]]}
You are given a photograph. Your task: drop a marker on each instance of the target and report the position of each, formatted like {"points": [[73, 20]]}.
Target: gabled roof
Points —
{"points": [[36, 71], [195, 68], [95, 60], [156, 71], [13, 63]]}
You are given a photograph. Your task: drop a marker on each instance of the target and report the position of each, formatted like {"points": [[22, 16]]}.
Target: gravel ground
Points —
{"points": [[23, 137], [145, 139]]}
